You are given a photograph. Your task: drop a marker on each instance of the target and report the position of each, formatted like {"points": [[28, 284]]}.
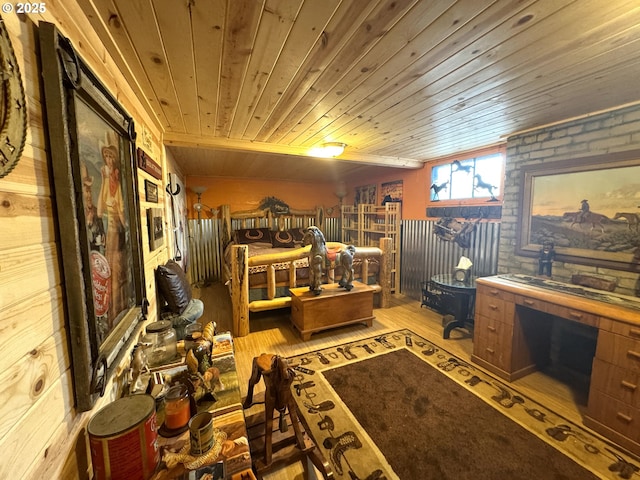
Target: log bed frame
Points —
{"points": [[236, 276]]}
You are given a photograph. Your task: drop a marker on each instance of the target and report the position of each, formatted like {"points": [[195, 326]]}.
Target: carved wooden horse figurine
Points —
{"points": [[321, 258], [278, 377]]}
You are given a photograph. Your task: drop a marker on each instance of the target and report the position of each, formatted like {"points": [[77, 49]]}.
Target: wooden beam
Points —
{"points": [[196, 141]]}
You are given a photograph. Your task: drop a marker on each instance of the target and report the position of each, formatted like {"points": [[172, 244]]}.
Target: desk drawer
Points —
{"points": [[615, 414], [620, 351], [494, 293], [492, 341], [569, 313], [621, 328], [501, 332], [620, 383], [531, 303], [495, 308]]}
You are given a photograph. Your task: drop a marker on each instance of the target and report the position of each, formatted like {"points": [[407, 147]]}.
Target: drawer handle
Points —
{"points": [[634, 332], [577, 315], [633, 354], [490, 350], [624, 418], [494, 292], [493, 307], [629, 385], [529, 302], [491, 328]]}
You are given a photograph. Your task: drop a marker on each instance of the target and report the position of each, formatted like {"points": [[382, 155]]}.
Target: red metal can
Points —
{"points": [[123, 437]]}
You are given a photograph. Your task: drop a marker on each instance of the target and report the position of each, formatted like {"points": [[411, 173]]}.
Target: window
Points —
{"points": [[469, 178]]}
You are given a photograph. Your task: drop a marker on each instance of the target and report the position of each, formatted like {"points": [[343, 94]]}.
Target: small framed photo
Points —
{"points": [[150, 191], [156, 228]]}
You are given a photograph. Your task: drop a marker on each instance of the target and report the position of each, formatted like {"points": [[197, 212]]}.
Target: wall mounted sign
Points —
{"points": [[148, 165], [13, 114]]}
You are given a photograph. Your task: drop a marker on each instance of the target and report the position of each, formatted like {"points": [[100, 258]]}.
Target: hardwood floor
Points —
{"points": [[271, 332]]}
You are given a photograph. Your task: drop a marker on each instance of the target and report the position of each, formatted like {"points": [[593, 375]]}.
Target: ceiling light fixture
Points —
{"points": [[328, 150]]}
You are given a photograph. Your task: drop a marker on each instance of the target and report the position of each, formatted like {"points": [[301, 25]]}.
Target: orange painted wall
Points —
{"points": [[246, 194], [415, 190]]}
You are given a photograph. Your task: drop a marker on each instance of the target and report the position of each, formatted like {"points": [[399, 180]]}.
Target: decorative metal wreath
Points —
{"points": [[13, 109]]}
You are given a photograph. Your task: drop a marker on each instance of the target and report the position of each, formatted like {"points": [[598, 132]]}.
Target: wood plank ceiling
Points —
{"points": [[246, 86]]}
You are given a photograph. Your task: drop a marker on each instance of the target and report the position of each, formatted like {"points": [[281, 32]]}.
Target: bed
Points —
{"points": [[264, 257]]}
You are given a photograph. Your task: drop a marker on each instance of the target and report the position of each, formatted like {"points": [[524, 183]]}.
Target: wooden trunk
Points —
{"points": [[334, 307]]}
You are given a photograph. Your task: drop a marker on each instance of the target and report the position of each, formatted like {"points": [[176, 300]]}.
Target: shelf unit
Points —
{"points": [[365, 224]]}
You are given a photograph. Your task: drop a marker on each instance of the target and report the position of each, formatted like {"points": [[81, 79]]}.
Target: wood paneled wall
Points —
{"points": [[41, 433]]}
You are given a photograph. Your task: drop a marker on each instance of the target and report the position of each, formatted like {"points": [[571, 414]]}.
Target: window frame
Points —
{"points": [[465, 157]]}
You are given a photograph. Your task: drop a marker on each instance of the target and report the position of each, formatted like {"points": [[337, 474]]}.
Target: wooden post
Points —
{"points": [[293, 279], [271, 281], [386, 266], [226, 225], [240, 291]]}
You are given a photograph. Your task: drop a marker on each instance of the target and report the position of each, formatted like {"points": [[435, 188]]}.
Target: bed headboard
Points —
{"points": [[261, 218]]}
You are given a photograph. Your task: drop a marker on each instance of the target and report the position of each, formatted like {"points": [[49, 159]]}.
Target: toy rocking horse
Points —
{"points": [[320, 258], [278, 377]]}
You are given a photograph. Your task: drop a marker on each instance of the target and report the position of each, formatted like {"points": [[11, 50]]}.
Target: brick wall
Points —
{"points": [[614, 131]]}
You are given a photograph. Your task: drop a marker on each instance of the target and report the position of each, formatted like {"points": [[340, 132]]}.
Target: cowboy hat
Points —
{"points": [[110, 143]]}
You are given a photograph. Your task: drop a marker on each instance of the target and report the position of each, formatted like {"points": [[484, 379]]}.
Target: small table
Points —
{"points": [[457, 300]]}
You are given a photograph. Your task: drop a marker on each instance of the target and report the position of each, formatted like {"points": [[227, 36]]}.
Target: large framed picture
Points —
{"points": [[91, 144], [588, 208]]}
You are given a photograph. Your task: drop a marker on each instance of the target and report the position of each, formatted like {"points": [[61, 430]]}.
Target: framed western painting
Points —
{"points": [[91, 144], [588, 208], [366, 194]]}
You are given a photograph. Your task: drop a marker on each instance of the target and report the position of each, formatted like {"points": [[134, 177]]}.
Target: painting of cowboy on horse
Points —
{"points": [[586, 216], [587, 211]]}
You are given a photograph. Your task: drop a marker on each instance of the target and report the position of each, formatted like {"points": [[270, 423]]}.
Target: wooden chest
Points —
{"points": [[334, 307]]}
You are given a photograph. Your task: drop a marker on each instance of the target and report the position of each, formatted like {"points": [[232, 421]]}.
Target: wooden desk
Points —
{"points": [[511, 339], [334, 307]]}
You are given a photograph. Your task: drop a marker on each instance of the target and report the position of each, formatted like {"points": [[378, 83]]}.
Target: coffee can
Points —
{"points": [[123, 437], [201, 433]]}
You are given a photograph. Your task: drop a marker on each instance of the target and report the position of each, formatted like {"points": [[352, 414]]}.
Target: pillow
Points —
{"points": [[297, 234], [173, 286], [282, 239], [253, 235]]}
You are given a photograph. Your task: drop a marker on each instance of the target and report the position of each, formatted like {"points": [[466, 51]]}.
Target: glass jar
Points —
{"points": [[162, 339], [177, 410], [192, 334]]}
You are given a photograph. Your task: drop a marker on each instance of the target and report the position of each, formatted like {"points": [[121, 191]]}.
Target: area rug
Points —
{"points": [[398, 406]]}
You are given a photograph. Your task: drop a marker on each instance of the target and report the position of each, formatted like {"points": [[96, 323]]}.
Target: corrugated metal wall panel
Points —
{"points": [[204, 249], [205, 262], [425, 255]]}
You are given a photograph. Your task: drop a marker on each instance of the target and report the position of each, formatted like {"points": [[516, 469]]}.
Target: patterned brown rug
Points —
{"points": [[398, 406]]}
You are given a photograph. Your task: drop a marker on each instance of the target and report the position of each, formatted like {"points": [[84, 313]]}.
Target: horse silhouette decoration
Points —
{"points": [[321, 258]]}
